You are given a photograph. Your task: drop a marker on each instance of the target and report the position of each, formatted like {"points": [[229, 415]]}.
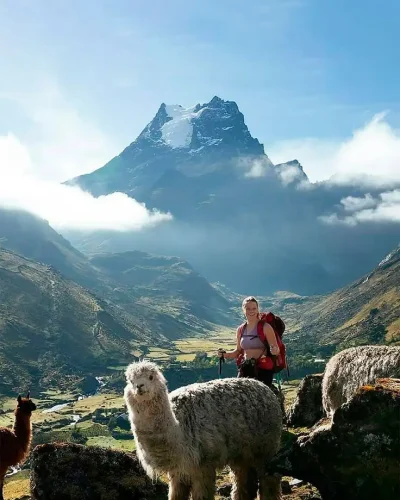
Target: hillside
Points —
{"points": [[169, 282], [54, 333], [164, 295], [366, 311], [32, 237]]}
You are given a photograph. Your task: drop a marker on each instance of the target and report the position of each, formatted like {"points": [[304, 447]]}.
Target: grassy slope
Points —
{"points": [[53, 331], [366, 311]]}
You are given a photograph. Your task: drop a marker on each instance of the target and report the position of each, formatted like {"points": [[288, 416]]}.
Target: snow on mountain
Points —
{"points": [[393, 253], [177, 132], [200, 127]]}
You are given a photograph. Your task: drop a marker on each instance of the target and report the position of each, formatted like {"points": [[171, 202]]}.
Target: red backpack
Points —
{"points": [[275, 363]]}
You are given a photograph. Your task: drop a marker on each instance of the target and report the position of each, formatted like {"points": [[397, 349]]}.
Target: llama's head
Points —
{"points": [[145, 380], [25, 405]]}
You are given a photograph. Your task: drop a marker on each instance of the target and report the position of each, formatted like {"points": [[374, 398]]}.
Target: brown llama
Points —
{"points": [[15, 443]]}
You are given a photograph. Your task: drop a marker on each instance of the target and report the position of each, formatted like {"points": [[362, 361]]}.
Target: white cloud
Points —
{"points": [[315, 155], [354, 204], [370, 157], [62, 143], [290, 173], [383, 208], [65, 207], [252, 168], [257, 169]]}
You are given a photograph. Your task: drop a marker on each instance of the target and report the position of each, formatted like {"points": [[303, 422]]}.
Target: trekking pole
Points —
{"points": [[221, 360]]}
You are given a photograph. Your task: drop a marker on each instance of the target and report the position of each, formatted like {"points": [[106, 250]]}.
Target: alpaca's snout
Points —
{"points": [[140, 388]]}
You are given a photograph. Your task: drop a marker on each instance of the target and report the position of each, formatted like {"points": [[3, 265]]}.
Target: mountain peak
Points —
{"points": [[212, 124], [291, 172], [216, 100], [193, 140]]}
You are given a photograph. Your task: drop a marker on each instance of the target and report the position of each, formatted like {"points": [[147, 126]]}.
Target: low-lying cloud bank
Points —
{"points": [[383, 208], [65, 207]]}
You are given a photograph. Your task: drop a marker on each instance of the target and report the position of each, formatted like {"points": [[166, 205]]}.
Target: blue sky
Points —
{"points": [[80, 79]]}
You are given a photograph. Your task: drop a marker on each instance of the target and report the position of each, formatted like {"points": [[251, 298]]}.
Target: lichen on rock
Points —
{"points": [[357, 454]]}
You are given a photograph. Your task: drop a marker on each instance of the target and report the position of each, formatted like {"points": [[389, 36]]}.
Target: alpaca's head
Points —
{"points": [[145, 380], [25, 405]]}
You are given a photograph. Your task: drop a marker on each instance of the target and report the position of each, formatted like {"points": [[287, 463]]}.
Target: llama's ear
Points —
{"points": [[19, 398], [28, 395]]}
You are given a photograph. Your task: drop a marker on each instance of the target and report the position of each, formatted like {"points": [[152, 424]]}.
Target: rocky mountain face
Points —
{"points": [[232, 206]]}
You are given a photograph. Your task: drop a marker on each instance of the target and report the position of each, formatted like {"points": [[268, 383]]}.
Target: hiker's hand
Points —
{"points": [[274, 350], [221, 352]]}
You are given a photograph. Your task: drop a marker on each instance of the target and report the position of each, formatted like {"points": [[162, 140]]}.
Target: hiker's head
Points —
{"points": [[250, 307]]}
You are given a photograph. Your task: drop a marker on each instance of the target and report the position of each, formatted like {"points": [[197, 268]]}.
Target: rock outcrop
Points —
{"points": [[307, 409], [357, 454], [62, 471]]}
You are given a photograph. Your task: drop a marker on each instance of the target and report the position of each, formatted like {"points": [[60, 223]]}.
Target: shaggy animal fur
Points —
{"points": [[350, 369], [15, 443], [197, 429]]}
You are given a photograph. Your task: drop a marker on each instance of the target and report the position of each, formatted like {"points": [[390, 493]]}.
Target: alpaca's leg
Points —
{"points": [[270, 487], [244, 483], [203, 484], [179, 488]]}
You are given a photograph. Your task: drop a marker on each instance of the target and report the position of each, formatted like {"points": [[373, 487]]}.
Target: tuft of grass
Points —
{"points": [[110, 442], [393, 331], [17, 486]]}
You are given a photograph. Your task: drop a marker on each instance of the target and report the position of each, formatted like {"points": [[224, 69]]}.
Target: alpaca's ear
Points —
{"points": [[28, 395], [19, 398]]}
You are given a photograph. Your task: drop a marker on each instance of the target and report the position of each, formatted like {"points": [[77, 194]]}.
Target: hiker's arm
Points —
{"points": [[271, 339], [237, 351]]}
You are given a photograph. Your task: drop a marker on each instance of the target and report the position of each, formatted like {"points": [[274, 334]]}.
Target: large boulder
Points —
{"points": [[62, 471], [307, 409], [357, 454]]}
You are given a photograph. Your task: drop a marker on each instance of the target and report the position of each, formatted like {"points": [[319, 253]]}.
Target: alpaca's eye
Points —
{"points": [[151, 377]]}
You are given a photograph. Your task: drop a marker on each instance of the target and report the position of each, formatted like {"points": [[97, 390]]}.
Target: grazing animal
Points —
{"points": [[197, 429], [15, 443], [351, 368]]}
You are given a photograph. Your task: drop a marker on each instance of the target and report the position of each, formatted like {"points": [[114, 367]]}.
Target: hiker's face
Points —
{"points": [[251, 310]]}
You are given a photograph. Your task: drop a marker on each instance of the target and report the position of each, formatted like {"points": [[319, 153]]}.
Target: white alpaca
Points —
{"points": [[351, 368], [195, 430]]}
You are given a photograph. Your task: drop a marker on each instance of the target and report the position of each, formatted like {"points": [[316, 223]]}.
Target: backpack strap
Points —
{"points": [[269, 319], [241, 329]]}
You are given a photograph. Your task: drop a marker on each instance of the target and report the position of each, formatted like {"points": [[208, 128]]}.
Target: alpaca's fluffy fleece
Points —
{"points": [[351, 368], [199, 428]]}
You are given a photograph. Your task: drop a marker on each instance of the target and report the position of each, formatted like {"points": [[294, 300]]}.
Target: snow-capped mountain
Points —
{"points": [[193, 141], [237, 218]]}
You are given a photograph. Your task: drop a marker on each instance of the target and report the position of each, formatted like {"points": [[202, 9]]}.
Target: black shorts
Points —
{"points": [[265, 376], [248, 369]]}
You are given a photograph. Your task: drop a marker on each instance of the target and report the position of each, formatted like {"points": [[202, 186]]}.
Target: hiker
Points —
{"points": [[251, 353]]}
